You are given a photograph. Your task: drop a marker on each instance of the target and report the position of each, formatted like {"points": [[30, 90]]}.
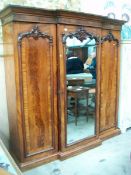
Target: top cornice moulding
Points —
{"points": [[14, 10]]}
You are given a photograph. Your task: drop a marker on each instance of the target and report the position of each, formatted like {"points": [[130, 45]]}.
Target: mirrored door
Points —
{"points": [[81, 77]]}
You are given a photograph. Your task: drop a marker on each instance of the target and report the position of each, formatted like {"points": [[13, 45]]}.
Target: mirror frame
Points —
{"points": [[81, 34]]}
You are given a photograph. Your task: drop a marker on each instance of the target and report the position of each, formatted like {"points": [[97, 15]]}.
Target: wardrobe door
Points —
{"points": [[79, 113], [38, 87], [109, 82]]}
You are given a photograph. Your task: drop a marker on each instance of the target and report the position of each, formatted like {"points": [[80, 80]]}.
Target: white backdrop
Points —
{"points": [[4, 128], [125, 86]]}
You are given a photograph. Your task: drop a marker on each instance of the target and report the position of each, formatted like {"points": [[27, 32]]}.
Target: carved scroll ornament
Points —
{"points": [[109, 37], [81, 35], [34, 33]]}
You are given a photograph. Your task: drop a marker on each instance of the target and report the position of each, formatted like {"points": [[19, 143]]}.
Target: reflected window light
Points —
{"points": [[65, 29], [70, 42]]}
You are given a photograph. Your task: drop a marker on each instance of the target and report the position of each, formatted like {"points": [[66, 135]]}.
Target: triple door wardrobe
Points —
{"points": [[54, 114]]}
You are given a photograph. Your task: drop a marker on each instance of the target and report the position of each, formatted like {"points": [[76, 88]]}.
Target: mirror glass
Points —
{"points": [[81, 88]]}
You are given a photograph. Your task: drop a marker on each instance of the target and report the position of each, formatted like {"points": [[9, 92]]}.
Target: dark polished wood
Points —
{"points": [[36, 80]]}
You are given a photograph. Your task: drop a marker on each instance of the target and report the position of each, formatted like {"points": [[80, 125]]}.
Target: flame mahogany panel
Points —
{"points": [[108, 83], [36, 70]]}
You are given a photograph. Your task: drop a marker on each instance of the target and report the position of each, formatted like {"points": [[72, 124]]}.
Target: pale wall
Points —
{"points": [[4, 128], [125, 86]]}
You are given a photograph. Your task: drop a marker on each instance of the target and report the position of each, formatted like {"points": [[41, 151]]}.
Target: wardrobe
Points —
{"points": [[44, 124]]}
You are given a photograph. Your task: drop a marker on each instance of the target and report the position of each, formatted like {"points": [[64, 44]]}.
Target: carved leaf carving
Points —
{"points": [[35, 33], [109, 37], [81, 35]]}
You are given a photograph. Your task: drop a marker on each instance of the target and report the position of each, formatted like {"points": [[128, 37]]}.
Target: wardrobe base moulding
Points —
{"points": [[109, 133], [78, 150], [28, 164]]}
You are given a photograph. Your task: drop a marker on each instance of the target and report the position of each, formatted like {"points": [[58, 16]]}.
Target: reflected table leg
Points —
{"points": [[76, 108], [87, 112], [76, 93]]}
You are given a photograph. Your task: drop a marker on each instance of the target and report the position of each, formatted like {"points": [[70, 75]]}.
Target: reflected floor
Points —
{"points": [[82, 130]]}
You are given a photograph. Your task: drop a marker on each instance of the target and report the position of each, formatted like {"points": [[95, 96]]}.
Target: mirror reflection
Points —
{"points": [[81, 88]]}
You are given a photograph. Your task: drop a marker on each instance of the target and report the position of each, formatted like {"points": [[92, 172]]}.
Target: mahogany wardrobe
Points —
{"points": [[54, 114]]}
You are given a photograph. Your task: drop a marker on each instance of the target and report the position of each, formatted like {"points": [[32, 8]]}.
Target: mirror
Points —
{"points": [[81, 88]]}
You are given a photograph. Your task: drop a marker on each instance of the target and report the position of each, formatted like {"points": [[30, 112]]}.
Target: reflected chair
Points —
{"points": [[77, 92]]}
